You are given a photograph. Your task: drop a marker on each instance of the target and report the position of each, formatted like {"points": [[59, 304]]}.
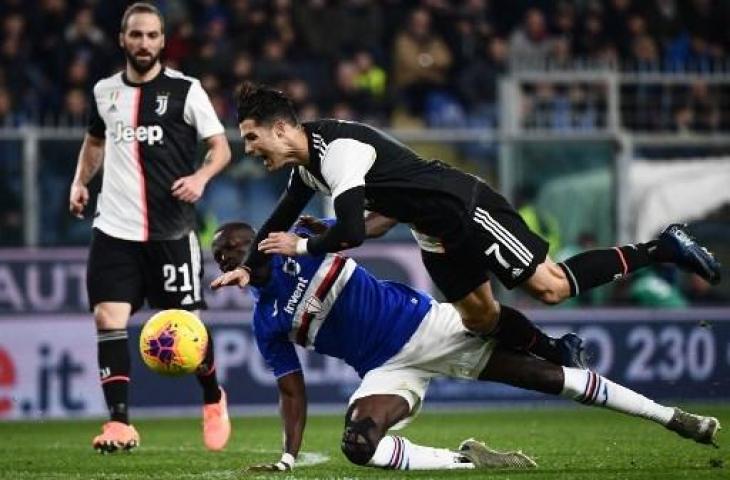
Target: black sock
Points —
{"points": [[206, 374], [516, 331], [598, 267], [114, 372]]}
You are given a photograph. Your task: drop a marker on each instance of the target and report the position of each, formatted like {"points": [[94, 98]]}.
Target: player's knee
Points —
{"points": [[482, 321], [109, 318], [359, 440]]}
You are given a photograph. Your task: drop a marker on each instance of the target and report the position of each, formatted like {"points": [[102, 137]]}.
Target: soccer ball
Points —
{"points": [[173, 342]]}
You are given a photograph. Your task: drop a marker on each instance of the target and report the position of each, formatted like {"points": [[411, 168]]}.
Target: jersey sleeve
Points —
{"points": [[346, 163], [199, 112], [278, 351], [97, 127], [292, 202]]}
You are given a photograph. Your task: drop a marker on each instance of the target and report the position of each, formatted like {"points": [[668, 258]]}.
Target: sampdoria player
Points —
{"points": [[397, 339]]}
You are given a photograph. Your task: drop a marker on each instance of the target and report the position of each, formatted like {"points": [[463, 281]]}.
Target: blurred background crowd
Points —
{"points": [[409, 65], [389, 62]]}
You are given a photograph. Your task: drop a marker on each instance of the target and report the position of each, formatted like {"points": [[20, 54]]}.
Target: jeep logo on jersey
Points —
{"points": [[162, 103], [151, 134]]}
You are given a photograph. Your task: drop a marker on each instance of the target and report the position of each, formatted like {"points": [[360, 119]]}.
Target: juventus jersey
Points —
{"points": [[398, 183], [329, 304], [151, 132]]}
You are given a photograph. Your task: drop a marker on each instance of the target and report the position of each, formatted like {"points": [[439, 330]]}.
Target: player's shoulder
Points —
{"points": [[173, 74], [113, 81], [330, 129]]}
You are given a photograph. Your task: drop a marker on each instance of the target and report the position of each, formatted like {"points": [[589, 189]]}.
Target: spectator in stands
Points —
{"points": [[75, 110], [421, 61], [250, 26], [273, 66], [360, 24], [9, 116], [592, 41], [616, 21], [349, 92], [83, 38], [319, 28], [663, 20], [370, 76], [40, 40], [179, 43], [531, 43], [478, 81]]}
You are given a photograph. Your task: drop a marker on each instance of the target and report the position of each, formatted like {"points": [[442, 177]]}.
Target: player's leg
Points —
{"points": [[465, 283], [589, 388], [553, 283], [114, 285], [391, 395], [364, 440], [174, 269]]}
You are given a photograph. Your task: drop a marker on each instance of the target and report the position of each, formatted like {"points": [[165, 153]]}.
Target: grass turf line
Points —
{"points": [[569, 443]]}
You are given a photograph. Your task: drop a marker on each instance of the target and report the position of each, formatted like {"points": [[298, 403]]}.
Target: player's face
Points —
{"points": [[231, 247], [268, 143], [143, 41]]}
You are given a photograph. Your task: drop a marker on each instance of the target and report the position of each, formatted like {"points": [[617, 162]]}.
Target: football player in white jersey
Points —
{"points": [[144, 128]]}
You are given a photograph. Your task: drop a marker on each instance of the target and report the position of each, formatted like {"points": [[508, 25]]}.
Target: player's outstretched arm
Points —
{"points": [[293, 410], [91, 157], [290, 205], [239, 277], [191, 188], [377, 225]]}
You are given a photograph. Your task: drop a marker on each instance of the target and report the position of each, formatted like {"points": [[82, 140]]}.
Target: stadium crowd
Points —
{"points": [[389, 62], [416, 63]]}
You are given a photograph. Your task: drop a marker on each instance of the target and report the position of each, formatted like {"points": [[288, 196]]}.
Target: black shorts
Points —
{"points": [[493, 239], [167, 273]]}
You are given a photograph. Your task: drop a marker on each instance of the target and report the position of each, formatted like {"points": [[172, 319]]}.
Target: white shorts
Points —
{"points": [[440, 347]]}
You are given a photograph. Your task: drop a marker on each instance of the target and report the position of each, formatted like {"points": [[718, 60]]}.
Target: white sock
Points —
{"points": [[398, 453], [591, 388]]}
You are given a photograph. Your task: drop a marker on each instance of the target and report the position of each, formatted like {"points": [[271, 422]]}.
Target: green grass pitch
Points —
{"points": [[569, 443]]}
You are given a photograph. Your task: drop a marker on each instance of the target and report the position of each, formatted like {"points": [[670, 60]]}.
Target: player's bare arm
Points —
{"points": [[289, 244], [348, 232], [91, 157], [239, 277], [191, 188], [376, 225], [293, 411]]}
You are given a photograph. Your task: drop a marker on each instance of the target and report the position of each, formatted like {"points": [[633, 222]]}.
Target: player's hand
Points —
{"points": [[239, 277], [285, 464], [77, 199], [314, 224], [189, 189], [283, 243]]}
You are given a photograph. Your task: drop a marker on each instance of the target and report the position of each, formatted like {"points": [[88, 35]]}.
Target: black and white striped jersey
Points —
{"points": [[398, 182], [151, 131]]}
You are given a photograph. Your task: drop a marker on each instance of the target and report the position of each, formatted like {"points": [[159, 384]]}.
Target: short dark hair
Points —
{"points": [[230, 227], [141, 7], [264, 105]]}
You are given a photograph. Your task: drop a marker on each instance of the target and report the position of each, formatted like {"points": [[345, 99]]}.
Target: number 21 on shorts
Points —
{"points": [[175, 282]]}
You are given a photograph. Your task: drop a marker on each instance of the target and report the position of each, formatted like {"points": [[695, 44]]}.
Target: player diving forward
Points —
{"points": [[466, 230], [397, 339]]}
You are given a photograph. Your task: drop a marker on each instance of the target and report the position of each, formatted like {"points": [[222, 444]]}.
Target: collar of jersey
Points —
{"points": [[130, 83]]}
